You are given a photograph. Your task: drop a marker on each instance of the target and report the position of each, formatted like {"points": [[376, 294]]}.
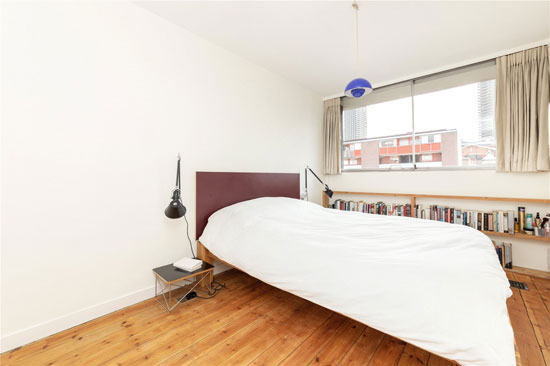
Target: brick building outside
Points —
{"points": [[432, 149]]}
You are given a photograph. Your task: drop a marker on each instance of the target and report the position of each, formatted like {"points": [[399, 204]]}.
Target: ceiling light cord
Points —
{"points": [[356, 7], [358, 86]]}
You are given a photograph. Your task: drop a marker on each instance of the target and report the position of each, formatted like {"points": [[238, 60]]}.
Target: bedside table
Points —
{"points": [[168, 276]]}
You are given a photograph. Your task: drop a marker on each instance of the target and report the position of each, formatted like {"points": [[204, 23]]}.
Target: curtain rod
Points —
{"points": [[427, 76], [455, 66]]}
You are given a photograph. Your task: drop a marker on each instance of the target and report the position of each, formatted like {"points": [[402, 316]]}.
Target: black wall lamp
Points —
{"points": [[176, 209], [327, 191]]}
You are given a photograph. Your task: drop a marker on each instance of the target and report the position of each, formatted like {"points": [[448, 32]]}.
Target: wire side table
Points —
{"points": [[167, 278]]}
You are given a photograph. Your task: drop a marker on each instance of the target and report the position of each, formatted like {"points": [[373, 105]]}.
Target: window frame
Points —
{"points": [[399, 168]]}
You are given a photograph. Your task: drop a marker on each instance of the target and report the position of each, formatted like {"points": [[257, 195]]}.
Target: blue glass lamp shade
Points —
{"points": [[357, 88]]}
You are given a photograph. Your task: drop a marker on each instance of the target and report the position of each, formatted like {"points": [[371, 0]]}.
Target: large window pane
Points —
{"points": [[463, 120], [453, 123]]}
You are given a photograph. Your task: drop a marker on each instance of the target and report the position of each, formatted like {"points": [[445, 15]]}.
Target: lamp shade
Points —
{"points": [[357, 88], [175, 209], [328, 191]]}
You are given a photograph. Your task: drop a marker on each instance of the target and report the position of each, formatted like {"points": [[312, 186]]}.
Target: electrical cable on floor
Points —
{"points": [[216, 288]]}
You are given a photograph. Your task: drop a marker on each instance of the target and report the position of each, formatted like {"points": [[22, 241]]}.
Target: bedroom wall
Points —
{"points": [[526, 253], [97, 100]]}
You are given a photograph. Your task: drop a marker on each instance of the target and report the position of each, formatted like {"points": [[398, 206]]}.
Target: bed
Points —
{"points": [[435, 285]]}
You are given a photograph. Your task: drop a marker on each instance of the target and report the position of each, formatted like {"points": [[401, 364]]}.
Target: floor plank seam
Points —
{"points": [[545, 303], [350, 347], [327, 341], [305, 339], [275, 342], [529, 316], [248, 325]]}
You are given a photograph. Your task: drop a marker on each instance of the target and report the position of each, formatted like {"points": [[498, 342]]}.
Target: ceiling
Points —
{"points": [[313, 42]]}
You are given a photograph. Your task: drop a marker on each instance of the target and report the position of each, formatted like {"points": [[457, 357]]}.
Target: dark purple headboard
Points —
{"points": [[216, 190]]}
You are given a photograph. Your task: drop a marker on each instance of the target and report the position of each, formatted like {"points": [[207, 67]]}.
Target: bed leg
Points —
{"points": [[205, 255], [210, 279]]}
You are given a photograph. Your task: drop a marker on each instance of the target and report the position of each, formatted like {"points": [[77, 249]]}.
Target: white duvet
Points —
{"points": [[436, 285]]}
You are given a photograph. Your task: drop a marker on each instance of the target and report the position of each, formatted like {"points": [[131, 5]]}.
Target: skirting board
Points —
{"points": [[41, 330], [47, 328]]}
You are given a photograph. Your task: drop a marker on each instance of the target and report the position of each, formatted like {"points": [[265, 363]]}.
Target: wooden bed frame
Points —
{"points": [[204, 254], [216, 190]]}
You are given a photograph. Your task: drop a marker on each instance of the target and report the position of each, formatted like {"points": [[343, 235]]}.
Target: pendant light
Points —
{"points": [[357, 87]]}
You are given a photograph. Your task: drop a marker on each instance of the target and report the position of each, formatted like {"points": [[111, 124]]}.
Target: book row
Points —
{"points": [[510, 222]]}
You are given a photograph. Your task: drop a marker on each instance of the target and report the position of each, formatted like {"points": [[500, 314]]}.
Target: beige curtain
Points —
{"points": [[331, 136], [521, 116]]}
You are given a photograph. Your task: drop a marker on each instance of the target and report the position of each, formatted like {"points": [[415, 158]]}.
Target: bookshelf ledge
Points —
{"points": [[413, 197], [450, 197], [518, 236]]}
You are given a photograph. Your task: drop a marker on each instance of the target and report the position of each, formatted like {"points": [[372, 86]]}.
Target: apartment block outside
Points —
{"points": [[432, 149], [356, 124], [486, 109]]}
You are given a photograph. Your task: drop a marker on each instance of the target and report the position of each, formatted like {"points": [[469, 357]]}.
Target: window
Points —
{"points": [[382, 128], [388, 143], [426, 157], [352, 155], [444, 120], [428, 139]]}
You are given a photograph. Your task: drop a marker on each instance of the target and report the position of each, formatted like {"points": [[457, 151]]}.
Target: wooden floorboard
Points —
{"points": [[526, 339], [313, 316], [413, 356], [340, 344], [538, 314], [364, 348], [388, 353], [251, 323], [305, 352]]}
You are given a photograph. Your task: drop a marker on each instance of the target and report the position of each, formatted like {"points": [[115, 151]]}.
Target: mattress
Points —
{"points": [[436, 285]]}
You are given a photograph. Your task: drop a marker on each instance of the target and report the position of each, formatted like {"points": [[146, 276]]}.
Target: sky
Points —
{"points": [[454, 108]]}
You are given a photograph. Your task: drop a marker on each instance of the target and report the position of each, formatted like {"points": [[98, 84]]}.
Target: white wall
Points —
{"points": [[97, 100], [526, 253]]}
